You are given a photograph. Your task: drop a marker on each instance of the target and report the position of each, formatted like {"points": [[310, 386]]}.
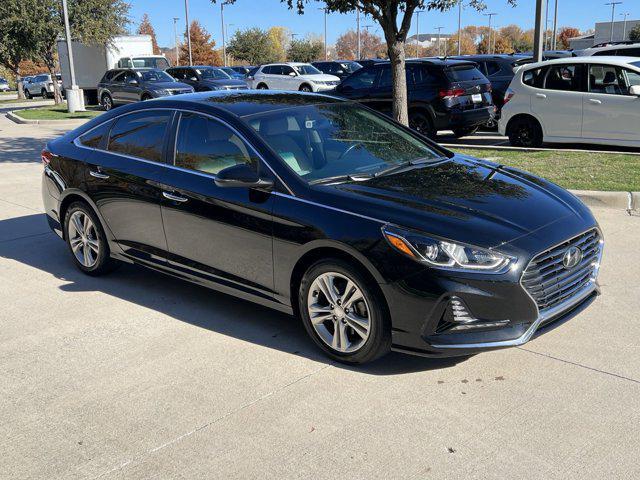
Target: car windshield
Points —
{"points": [[635, 64], [150, 62], [213, 73], [327, 141], [306, 70], [230, 71], [463, 73], [155, 76]]}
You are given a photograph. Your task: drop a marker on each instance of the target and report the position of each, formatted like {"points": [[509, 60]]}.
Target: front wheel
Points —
{"points": [[43, 94], [306, 88], [343, 313], [27, 94], [262, 86], [107, 102], [87, 241]]}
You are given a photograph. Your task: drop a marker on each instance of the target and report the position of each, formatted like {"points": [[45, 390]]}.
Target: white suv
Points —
{"points": [[619, 49], [292, 76], [41, 85], [574, 100]]}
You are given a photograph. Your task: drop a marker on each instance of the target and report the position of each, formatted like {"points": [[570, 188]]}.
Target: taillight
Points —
{"points": [[452, 92], [46, 157], [508, 95]]}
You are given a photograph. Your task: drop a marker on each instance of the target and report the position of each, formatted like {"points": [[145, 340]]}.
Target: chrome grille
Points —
{"points": [[548, 281]]}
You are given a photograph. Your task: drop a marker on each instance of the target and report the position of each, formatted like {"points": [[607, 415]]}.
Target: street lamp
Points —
{"points": [[459, 27], [555, 28], [624, 26], [490, 15], [74, 94], [418, 32], [613, 12], [438, 29], [175, 36], [325, 32], [358, 31], [224, 43], [186, 19]]}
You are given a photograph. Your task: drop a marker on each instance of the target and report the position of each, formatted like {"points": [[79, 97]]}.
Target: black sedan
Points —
{"points": [[203, 78], [121, 86], [376, 237]]}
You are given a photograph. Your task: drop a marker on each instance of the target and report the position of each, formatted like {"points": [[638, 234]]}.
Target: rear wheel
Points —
{"points": [[421, 123], [525, 132], [343, 313], [86, 240], [464, 131]]}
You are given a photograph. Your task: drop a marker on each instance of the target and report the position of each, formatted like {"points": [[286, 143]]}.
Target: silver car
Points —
{"points": [[4, 85], [41, 85]]}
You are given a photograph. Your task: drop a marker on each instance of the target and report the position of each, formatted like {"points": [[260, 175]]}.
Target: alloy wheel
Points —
{"points": [[339, 312], [83, 239], [107, 103]]}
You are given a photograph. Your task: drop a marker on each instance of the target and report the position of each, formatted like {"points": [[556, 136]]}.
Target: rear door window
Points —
{"points": [[493, 68], [140, 135], [564, 77], [361, 79]]}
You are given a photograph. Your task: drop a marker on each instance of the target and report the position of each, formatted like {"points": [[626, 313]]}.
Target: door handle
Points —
{"points": [[103, 176], [173, 197], [541, 95], [596, 101]]}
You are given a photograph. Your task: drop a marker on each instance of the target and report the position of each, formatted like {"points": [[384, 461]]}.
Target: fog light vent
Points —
{"points": [[460, 313], [457, 317]]}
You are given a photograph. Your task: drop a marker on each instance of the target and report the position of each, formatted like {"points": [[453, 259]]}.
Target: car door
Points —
{"points": [[359, 84], [289, 78], [558, 104], [123, 180], [116, 86], [190, 77], [610, 112], [131, 91], [223, 235]]}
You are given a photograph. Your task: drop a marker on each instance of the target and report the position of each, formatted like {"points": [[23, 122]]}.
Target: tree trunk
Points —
{"points": [[400, 109], [20, 87], [57, 94]]}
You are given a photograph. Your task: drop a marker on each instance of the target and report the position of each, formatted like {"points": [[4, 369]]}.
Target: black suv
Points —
{"points": [[204, 78], [443, 94], [340, 68], [499, 69], [130, 85]]}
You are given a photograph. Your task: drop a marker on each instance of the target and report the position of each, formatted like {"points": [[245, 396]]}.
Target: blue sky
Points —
{"points": [[267, 13]]}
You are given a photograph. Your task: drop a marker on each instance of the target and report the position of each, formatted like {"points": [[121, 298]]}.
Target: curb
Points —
{"points": [[620, 200], [62, 123], [454, 146]]}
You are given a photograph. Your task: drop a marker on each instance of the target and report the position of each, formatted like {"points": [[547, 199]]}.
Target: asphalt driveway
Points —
{"points": [[138, 375]]}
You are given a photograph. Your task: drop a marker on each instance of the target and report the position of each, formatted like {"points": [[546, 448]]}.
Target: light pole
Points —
{"points": [[538, 37], [438, 29], [624, 26], [175, 36], [186, 19], [555, 28], [546, 24], [490, 15], [418, 32], [74, 95], [358, 32], [613, 12], [460, 28], [224, 42], [325, 32]]}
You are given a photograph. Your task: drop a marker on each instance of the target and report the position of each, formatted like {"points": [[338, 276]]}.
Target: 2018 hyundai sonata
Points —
{"points": [[376, 237]]}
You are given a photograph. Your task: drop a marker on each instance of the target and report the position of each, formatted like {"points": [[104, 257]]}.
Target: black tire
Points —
{"points": [[525, 132], [106, 101], [378, 342], [464, 131], [421, 123], [44, 94], [103, 261], [262, 86], [146, 97], [305, 88], [27, 94]]}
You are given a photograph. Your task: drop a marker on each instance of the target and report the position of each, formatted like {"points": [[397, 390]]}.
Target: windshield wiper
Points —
{"points": [[407, 164], [354, 177]]}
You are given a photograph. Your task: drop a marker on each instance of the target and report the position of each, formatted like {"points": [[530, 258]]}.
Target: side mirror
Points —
{"points": [[133, 82], [340, 71], [292, 74], [634, 90], [193, 79], [241, 175]]}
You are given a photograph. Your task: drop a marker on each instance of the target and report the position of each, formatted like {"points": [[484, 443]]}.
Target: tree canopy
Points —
{"points": [[305, 50], [145, 28], [254, 46], [203, 51]]}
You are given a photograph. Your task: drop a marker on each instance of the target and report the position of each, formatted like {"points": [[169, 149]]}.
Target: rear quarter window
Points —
{"points": [[534, 77], [93, 138]]}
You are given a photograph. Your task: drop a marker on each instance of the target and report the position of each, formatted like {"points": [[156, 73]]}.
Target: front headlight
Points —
{"points": [[162, 91], [445, 254]]}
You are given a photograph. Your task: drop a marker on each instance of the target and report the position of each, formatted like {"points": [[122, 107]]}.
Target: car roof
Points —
{"points": [[251, 102], [490, 56], [606, 59], [445, 62], [613, 46]]}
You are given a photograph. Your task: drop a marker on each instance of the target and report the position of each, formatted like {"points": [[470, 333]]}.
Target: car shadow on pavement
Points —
{"points": [[28, 240], [23, 149]]}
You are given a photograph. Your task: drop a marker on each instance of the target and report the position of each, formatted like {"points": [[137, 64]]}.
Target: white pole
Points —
{"points": [[224, 46], [555, 28], [74, 96], [613, 12], [175, 36], [538, 37], [358, 31], [186, 18], [460, 28], [624, 26]]}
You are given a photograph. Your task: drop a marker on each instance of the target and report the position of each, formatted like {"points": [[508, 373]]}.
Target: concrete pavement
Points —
{"points": [[138, 375]]}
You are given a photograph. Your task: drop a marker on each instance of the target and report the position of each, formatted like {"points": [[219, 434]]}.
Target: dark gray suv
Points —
{"points": [[204, 78], [120, 86]]}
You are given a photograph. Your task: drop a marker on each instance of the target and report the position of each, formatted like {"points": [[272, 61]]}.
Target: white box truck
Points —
{"points": [[92, 61]]}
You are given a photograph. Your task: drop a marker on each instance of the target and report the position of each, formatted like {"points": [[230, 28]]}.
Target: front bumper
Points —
{"points": [[323, 88]]}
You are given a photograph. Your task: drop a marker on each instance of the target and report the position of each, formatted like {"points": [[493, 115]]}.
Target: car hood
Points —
{"points": [[464, 199], [166, 85], [323, 77], [225, 82]]}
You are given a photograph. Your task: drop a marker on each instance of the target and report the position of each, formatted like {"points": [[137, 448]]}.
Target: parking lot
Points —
{"points": [[137, 375]]}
